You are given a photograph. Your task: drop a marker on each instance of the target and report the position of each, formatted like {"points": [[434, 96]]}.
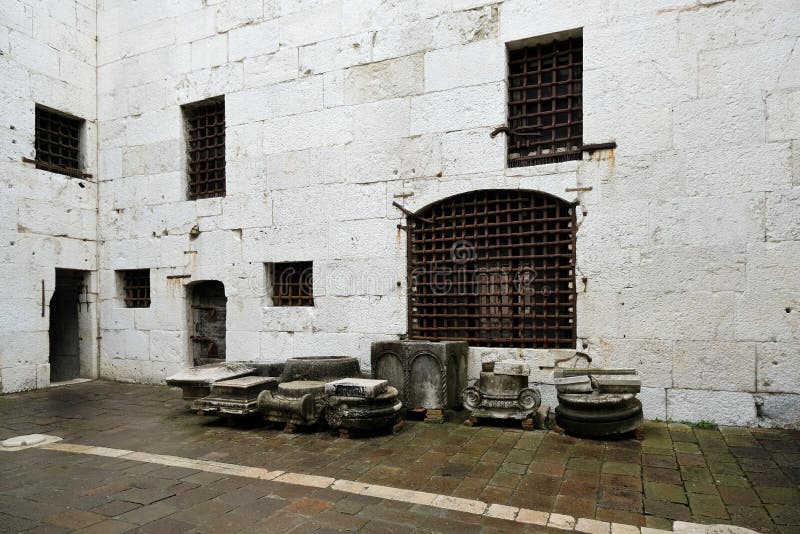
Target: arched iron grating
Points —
{"points": [[494, 268]]}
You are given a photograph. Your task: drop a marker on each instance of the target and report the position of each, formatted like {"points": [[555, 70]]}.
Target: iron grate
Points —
{"points": [[494, 268], [136, 285], [545, 108], [205, 130], [58, 142], [293, 284]]}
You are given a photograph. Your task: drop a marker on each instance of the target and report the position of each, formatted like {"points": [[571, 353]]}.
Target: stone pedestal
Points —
{"points": [[238, 396], [428, 375], [598, 402], [502, 393], [196, 382]]}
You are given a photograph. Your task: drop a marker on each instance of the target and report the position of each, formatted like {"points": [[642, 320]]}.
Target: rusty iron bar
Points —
{"points": [[136, 284], [178, 276], [292, 284], [545, 115], [57, 143], [574, 189], [494, 268], [594, 147], [408, 213], [205, 130]]}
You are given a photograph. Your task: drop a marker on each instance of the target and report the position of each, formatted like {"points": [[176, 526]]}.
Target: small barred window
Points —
{"points": [[293, 284], [136, 284], [545, 107], [205, 136], [58, 142]]}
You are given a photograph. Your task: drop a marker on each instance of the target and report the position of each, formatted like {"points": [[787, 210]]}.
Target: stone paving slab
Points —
{"points": [[747, 477]]}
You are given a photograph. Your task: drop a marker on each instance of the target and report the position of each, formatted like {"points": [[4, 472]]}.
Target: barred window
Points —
{"points": [[205, 136], [293, 283], [545, 108], [494, 268], [136, 286], [58, 142]]}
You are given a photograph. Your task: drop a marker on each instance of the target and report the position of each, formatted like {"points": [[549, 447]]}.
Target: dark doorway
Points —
{"points": [[207, 326], [65, 339]]}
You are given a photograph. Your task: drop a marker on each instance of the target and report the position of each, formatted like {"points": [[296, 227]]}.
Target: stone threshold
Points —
{"points": [[500, 511]]}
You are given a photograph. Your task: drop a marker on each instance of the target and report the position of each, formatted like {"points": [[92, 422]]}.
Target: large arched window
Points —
{"points": [[494, 268]]}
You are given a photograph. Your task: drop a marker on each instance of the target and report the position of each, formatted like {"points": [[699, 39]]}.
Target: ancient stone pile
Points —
{"points": [[598, 402], [307, 392], [502, 392]]}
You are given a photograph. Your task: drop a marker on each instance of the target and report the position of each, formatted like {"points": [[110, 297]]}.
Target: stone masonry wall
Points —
{"points": [[689, 239], [47, 220]]}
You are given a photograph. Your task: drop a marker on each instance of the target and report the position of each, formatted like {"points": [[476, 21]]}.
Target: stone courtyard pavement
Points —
{"points": [[739, 476]]}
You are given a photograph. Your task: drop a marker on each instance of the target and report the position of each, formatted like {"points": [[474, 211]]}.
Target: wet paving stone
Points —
{"points": [[677, 472]]}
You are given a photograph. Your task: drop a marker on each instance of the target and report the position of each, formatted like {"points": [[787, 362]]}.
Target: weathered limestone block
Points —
{"points": [[300, 402], [357, 412], [573, 384], [427, 374], [196, 382], [356, 387], [320, 368], [237, 396], [512, 368], [609, 407], [504, 395]]}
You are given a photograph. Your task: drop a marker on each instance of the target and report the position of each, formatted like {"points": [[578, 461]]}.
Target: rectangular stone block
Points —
{"points": [[512, 368], [356, 387]]}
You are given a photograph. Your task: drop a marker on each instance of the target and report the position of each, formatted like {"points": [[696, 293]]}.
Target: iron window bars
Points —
{"points": [[136, 284], [494, 268], [205, 134], [293, 284], [58, 142], [545, 109]]}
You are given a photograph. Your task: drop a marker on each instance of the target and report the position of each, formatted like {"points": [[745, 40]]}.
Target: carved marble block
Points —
{"points": [[427, 374], [355, 404], [502, 393], [196, 382], [301, 402], [598, 402], [237, 396]]}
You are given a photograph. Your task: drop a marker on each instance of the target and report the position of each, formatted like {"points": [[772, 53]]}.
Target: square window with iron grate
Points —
{"points": [[292, 283], [205, 138], [545, 106], [58, 142], [136, 286]]}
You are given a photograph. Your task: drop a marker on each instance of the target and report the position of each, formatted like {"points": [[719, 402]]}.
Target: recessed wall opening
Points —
{"points": [[494, 268], [207, 312], [69, 316]]}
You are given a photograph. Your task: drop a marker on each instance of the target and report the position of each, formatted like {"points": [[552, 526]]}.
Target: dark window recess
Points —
{"points": [[58, 142], [494, 268], [137, 288], [293, 284], [545, 115], [205, 133]]}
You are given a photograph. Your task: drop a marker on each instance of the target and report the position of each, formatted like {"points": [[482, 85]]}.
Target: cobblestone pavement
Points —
{"points": [[746, 477]]}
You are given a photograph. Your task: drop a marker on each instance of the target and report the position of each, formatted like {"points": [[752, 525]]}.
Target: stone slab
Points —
{"points": [[210, 373], [356, 387], [618, 383], [573, 384], [512, 368]]}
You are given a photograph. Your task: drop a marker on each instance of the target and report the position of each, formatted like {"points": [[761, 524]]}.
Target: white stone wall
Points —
{"points": [[47, 220], [688, 239]]}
